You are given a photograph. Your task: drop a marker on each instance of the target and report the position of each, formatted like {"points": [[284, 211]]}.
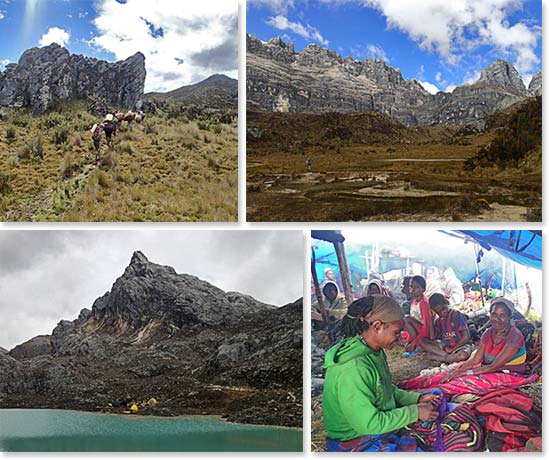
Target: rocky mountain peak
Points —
{"points": [[139, 258], [51, 73], [502, 73]]}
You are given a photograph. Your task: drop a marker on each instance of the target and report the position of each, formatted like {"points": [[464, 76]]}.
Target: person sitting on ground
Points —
{"points": [[96, 131], [405, 289], [453, 289], [376, 287], [363, 410], [452, 342], [501, 346], [334, 303], [419, 323]]}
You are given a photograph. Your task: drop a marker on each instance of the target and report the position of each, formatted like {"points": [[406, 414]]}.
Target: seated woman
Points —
{"points": [[452, 341], [363, 410], [501, 346], [375, 287], [419, 324]]}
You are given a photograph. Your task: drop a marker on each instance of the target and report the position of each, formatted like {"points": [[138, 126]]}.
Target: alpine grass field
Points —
{"points": [[172, 167]]}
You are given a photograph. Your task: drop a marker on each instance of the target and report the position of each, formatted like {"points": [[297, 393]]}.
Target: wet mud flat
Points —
{"points": [[381, 187]]}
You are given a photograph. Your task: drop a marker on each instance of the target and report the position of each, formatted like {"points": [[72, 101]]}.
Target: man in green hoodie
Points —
{"points": [[363, 410]]}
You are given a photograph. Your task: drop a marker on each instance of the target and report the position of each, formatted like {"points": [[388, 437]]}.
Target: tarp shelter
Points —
{"points": [[521, 246]]}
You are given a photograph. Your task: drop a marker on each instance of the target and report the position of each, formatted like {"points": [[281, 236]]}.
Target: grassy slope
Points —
{"points": [[164, 170]]}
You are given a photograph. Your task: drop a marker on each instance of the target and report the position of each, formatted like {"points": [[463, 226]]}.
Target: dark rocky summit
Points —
{"points": [[317, 80], [48, 74], [193, 347]]}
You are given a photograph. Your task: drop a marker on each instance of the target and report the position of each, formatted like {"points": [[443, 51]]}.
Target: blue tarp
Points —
{"points": [[521, 246]]}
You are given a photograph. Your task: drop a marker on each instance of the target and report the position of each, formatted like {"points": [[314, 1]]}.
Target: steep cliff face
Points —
{"points": [[318, 80], [44, 75], [168, 335]]}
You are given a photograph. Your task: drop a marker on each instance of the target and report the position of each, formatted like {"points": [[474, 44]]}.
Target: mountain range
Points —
{"points": [[216, 91], [174, 337], [318, 80]]}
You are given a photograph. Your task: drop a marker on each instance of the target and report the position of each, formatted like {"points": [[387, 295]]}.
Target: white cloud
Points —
{"points": [[54, 35], [438, 77], [2, 15], [471, 77], [82, 15], [453, 28], [429, 87], [450, 88], [278, 6], [306, 31], [3, 64], [183, 42], [378, 52]]}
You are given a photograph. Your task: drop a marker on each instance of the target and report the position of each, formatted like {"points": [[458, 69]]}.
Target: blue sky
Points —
{"points": [[441, 43], [183, 42]]}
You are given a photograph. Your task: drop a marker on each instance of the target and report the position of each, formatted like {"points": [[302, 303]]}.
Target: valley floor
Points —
{"points": [[392, 182]]}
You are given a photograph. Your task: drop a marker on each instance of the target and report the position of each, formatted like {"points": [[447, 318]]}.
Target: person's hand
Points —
{"points": [[453, 375], [430, 398], [410, 347], [427, 412]]}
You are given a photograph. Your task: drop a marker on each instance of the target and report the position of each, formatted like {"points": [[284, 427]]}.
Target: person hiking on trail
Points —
{"points": [[96, 131], [114, 122], [108, 126], [363, 410]]}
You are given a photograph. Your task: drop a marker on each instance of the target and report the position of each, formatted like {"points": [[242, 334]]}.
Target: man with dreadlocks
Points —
{"points": [[363, 410]]}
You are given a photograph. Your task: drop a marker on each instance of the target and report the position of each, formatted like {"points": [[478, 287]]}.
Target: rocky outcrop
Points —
{"points": [[37, 346], [172, 336], [535, 87], [317, 80], [48, 74]]}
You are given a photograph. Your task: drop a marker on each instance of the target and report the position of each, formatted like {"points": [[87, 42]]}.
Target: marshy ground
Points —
{"points": [[366, 167], [166, 169]]}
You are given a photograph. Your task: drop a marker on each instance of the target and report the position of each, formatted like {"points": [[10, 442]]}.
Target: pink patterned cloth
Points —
{"points": [[477, 384]]}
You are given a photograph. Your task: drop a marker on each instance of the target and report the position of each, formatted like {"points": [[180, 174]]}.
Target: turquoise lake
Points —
{"points": [[45, 430]]}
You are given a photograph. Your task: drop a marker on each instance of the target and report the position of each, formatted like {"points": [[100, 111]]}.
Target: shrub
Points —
{"points": [[102, 179], [68, 165], [150, 129], [10, 134], [4, 182], [37, 147], [24, 152], [61, 135], [77, 140], [50, 120], [126, 147], [203, 125], [110, 161]]}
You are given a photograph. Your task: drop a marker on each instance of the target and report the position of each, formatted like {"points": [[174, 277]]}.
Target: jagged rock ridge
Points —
{"points": [[171, 336], [318, 80], [51, 73]]}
